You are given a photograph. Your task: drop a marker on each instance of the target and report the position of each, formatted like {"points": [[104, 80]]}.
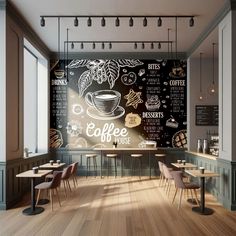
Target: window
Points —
{"points": [[35, 100]]}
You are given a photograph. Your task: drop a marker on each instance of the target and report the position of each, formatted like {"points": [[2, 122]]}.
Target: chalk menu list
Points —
{"points": [[207, 115], [96, 102]]}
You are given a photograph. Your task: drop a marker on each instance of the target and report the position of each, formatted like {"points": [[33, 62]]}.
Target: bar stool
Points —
{"points": [[136, 157], [94, 157], [109, 157]]}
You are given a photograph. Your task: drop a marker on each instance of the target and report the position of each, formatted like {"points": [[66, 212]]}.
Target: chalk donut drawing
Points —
{"points": [[133, 98], [74, 128], [100, 71], [77, 109], [179, 139], [56, 139], [128, 79], [104, 104], [153, 103]]}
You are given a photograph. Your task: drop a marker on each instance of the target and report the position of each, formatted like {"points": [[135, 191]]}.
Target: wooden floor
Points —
{"points": [[121, 206]]}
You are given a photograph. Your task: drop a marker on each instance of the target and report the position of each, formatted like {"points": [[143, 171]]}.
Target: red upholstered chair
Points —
{"points": [[51, 185], [74, 173]]}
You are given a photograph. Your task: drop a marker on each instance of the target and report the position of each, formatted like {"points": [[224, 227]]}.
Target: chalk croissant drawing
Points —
{"points": [[100, 71]]}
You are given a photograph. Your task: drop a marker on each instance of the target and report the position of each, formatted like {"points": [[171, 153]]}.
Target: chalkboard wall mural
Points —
{"points": [[97, 102]]}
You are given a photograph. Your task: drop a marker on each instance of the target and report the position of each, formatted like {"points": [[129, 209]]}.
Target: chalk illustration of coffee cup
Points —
{"points": [[104, 101], [59, 73]]}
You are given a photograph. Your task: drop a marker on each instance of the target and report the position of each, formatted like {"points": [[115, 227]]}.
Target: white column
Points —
{"points": [[227, 87]]}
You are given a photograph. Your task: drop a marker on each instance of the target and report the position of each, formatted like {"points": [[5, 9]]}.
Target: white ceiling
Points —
{"points": [[205, 11]]}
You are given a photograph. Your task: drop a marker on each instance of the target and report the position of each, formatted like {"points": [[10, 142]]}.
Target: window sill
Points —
{"points": [[35, 154]]}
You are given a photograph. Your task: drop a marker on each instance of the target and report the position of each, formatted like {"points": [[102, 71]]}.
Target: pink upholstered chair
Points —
{"points": [[74, 173], [180, 184], [51, 185]]}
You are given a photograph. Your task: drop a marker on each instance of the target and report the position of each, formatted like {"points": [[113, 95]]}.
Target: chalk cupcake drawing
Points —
{"points": [[100, 71]]}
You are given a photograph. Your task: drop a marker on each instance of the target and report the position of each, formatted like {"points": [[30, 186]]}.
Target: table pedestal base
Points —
{"points": [[29, 212], [207, 211]]}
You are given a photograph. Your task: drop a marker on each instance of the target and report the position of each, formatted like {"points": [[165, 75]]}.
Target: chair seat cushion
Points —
{"points": [[191, 186], [44, 185], [49, 176], [111, 155]]}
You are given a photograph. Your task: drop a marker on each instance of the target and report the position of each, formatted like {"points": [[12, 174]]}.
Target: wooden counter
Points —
{"points": [[208, 156]]}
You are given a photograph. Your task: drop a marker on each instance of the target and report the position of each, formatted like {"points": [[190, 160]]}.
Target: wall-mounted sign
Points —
{"points": [[207, 115], [96, 102]]}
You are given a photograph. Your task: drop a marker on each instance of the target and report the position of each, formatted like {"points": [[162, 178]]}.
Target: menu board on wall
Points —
{"points": [[207, 115], [97, 102]]}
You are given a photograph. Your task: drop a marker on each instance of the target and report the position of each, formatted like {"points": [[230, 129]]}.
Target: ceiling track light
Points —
{"points": [[72, 45], [131, 22], [191, 22], [76, 22], [159, 22], [117, 22], [135, 45], [145, 21], [152, 45], [103, 22], [143, 45], [89, 22], [94, 45], [42, 22], [82, 45]]}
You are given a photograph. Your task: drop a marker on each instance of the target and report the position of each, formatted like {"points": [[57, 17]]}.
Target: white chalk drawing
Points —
{"points": [[171, 122], [104, 104], [141, 72], [177, 72], [56, 139], [153, 103], [78, 143], [133, 98], [128, 79], [100, 71], [179, 139], [132, 120], [74, 128], [77, 109], [59, 74]]}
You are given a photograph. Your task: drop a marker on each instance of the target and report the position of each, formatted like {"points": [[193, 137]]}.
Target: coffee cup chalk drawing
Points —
{"points": [[104, 104], [132, 120], [133, 98]]}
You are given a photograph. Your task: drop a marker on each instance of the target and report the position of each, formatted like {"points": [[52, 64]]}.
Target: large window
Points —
{"points": [[35, 100]]}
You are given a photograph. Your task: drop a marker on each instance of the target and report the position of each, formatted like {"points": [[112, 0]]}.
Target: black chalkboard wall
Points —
{"points": [[97, 102]]}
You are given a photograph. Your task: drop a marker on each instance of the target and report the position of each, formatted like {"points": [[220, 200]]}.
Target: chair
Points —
{"points": [[180, 184], [137, 157], [160, 164], [65, 178], [109, 157], [53, 184], [94, 157], [168, 177], [74, 173]]}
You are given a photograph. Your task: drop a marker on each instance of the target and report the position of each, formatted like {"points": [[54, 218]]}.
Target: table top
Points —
{"points": [[54, 166], [186, 166], [197, 173], [30, 174]]}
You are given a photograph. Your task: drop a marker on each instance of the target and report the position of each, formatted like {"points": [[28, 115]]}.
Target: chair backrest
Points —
{"points": [[56, 179], [160, 164], [178, 178], [74, 168], [166, 172], [66, 172]]}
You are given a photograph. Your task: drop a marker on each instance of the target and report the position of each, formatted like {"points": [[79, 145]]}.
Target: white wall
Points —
{"points": [[2, 85], [196, 132]]}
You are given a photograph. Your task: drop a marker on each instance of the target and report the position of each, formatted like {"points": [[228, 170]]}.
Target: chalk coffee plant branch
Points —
{"points": [[100, 71]]}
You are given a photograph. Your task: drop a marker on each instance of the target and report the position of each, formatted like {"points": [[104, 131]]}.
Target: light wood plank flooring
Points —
{"points": [[118, 206]]}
